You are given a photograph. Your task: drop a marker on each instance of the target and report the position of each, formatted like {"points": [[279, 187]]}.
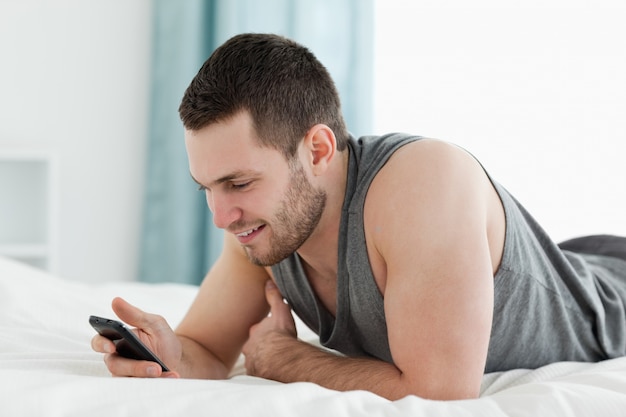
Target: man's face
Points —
{"points": [[267, 202]]}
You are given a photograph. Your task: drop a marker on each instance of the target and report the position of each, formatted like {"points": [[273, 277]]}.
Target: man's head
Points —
{"points": [[285, 89], [264, 200]]}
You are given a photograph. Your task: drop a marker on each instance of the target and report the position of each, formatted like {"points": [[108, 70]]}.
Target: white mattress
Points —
{"points": [[47, 368]]}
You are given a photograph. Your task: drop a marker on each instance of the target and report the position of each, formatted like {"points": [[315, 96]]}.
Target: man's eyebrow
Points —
{"points": [[229, 177], [194, 180]]}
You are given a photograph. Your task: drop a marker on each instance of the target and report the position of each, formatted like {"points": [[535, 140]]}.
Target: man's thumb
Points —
{"points": [[273, 295], [128, 313]]}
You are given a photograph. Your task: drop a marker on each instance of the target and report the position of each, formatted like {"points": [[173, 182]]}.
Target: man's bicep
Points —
{"points": [[231, 298], [439, 323], [439, 307]]}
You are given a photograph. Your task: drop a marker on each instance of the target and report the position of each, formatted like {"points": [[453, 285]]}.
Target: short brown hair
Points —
{"points": [[280, 82]]}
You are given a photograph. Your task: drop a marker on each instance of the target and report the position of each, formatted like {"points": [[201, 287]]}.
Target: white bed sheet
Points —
{"points": [[48, 369]]}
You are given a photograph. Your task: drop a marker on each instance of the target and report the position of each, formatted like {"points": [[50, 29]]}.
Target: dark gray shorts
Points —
{"points": [[606, 245]]}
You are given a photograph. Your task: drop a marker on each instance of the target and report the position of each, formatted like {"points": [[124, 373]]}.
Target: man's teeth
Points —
{"points": [[247, 232]]}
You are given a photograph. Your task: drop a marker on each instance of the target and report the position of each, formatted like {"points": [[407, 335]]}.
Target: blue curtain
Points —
{"points": [[179, 241]]}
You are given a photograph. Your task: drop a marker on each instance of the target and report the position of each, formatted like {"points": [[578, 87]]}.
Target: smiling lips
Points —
{"points": [[249, 234]]}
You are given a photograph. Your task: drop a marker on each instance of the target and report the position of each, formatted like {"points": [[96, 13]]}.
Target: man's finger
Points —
{"points": [[130, 314], [146, 322], [102, 344], [279, 310], [121, 366], [274, 297]]}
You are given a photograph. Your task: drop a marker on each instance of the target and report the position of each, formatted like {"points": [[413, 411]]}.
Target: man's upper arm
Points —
{"points": [[230, 300], [439, 277]]}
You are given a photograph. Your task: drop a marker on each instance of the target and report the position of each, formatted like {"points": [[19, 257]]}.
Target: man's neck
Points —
{"points": [[319, 251]]}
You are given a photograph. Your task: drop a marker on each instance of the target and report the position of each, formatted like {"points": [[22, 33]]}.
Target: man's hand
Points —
{"points": [[279, 324], [153, 331]]}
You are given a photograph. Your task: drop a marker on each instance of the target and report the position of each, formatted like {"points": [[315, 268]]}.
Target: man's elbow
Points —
{"points": [[437, 390]]}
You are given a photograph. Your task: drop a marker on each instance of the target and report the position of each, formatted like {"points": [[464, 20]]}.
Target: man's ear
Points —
{"points": [[321, 146]]}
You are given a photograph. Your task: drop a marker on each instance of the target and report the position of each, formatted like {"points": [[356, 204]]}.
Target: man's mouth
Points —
{"points": [[247, 233]]}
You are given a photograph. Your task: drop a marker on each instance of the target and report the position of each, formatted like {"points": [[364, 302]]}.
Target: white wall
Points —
{"points": [[535, 89], [74, 80]]}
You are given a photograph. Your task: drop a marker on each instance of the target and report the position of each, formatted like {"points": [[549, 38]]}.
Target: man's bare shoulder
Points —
{"points": [[430, 168], [429, 193], [431, 155]]}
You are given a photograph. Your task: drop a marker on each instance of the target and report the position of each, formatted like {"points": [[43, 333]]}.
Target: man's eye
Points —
{"points": [[239, 186], [201, 187]]}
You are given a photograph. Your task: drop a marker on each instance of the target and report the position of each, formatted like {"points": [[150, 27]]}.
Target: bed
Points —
{"points": [[47, 368]]}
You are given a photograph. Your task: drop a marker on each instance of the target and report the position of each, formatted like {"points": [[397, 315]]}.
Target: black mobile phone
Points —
{"points": [[126, 342]]}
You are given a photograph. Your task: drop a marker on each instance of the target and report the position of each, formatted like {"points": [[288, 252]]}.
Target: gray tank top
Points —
{"points": [[549, 304]]}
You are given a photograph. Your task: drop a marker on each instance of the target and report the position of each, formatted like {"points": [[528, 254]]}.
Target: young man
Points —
{"points": [[399, 251]]}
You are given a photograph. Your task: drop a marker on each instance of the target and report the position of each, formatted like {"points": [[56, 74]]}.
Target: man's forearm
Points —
{"points": [[198, 362], [291, 360]]}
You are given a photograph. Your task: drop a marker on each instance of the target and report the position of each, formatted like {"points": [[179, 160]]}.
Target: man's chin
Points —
{"points": [[266, 260], [256, 259]]}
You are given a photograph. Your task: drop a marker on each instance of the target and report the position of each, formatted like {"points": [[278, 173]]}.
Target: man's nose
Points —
{"points": [[224, 210]]}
